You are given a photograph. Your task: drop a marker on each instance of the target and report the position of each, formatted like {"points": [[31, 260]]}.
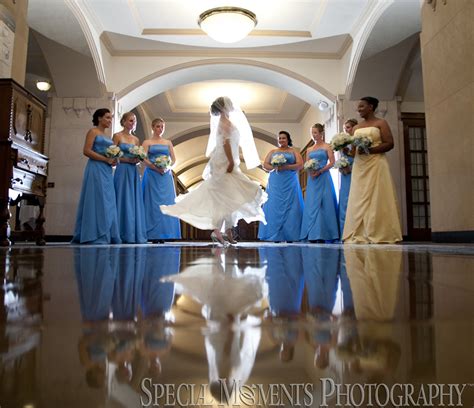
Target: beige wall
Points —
{"points": [[448, 77], [19, 11]]}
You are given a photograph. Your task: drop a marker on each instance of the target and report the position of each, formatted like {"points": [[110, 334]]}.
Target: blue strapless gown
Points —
{"points": [[128, 284], [284, 275], [159, 189], [320, 210], [157, 296], [96, 221], [344, 196], [130, 208], [96, 269], [284, 208]]}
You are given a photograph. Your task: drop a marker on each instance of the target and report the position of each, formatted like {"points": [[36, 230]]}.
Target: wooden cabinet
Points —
{"points": [[23, 166]]}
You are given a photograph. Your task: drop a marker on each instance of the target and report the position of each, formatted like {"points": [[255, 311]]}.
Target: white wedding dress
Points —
{"points": [[222, 196]]}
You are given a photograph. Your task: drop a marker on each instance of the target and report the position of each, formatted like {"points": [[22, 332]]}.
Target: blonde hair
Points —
{"points": [[157, 120], [353, 122], [320, 128], [125, 116]]}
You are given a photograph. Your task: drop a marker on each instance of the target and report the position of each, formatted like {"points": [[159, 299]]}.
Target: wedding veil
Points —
{"points": [[239, 120]]}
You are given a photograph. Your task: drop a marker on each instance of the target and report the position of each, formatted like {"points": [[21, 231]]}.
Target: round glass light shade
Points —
{"points": [[43, 85], [227, 24]]}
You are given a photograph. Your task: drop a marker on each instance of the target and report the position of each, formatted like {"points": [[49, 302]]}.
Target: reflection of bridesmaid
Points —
{"points": [[372, 211], [96, 221], [158, 187], [320, 212], [320, 267], [128, 189], [128, 285], [284, 207], [346, 173], [285, 292], [96, 269], [158, 296]]}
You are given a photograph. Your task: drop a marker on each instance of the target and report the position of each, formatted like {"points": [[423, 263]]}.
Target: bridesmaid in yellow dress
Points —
{"points": [[372, 211]]}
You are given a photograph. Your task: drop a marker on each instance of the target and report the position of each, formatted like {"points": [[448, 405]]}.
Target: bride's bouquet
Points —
{"points": [[339, 141], [162, 162], [113, 152], [311, 165], [278, 160], [362, 142], [342, 164], [137, 152]]}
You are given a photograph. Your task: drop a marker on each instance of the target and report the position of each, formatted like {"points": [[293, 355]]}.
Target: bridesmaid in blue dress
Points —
{"points": [[96, 221], [128, 189], [284, 208], [158, 187], [346, 172], [320, 211]]}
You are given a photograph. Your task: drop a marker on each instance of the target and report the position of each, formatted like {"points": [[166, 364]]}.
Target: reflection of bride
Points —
{"points": [[226, 292], [226, 195]]}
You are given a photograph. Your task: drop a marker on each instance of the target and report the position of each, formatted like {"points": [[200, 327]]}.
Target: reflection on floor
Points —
{"points": [[252, 325]]}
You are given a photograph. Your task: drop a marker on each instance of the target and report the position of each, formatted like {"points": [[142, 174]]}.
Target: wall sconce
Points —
{"points": [[323, 105], [43, 85]]}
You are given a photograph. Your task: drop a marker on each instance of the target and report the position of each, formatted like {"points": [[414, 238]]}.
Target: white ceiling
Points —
{"points": [[175, 21]]}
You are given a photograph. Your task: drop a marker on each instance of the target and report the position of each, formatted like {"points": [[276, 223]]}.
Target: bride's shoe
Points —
{"points": [[218, 239], [228, 236]]}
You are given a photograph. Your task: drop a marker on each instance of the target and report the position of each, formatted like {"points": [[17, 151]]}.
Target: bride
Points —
{"points": [[226, 194]]}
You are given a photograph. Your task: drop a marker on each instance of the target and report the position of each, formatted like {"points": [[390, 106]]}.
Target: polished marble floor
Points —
{"points": [[188, 324]]}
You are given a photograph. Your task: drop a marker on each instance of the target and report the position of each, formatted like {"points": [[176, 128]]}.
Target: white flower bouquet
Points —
{"points": [[137, 152], [342, 163], [162, 162], [362, 141], [278, 160], [113, 152], [311, 165], [339, 141]]}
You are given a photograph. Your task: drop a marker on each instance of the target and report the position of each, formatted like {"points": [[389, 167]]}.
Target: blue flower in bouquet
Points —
{"points": [[362, 141]]}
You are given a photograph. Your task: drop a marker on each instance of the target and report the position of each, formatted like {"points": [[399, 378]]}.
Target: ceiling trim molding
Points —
{"points": [[204, 130], [214, 52], [253, 33], [92, 41], [227, 61]]}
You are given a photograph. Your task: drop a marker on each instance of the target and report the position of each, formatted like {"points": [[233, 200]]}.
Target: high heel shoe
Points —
{"points": [[218, 240], [229, 237]]}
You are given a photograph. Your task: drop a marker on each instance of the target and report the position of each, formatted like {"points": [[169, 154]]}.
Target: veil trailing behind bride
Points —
{"points": [[226, 195]]}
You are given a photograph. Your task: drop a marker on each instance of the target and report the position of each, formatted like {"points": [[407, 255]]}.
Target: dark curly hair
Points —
{"points": [[288, 137], [99, 113]]}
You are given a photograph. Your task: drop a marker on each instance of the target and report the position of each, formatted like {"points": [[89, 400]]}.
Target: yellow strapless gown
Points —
{"points": [[372, 211]]}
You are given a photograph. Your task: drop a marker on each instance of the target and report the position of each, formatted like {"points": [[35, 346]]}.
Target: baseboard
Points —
{"points": [[453, 237]]}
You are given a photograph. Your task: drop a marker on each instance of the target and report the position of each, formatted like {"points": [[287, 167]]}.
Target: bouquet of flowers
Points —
{"points": [[362, 141], [137, 152], [311, 165], [339, 141], [342, 163], [278, 160], [113, 152], [162, 162]]}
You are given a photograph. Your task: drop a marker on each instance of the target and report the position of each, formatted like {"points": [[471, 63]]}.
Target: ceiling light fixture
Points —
{"points": [[43, 85], [227, 24]]}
